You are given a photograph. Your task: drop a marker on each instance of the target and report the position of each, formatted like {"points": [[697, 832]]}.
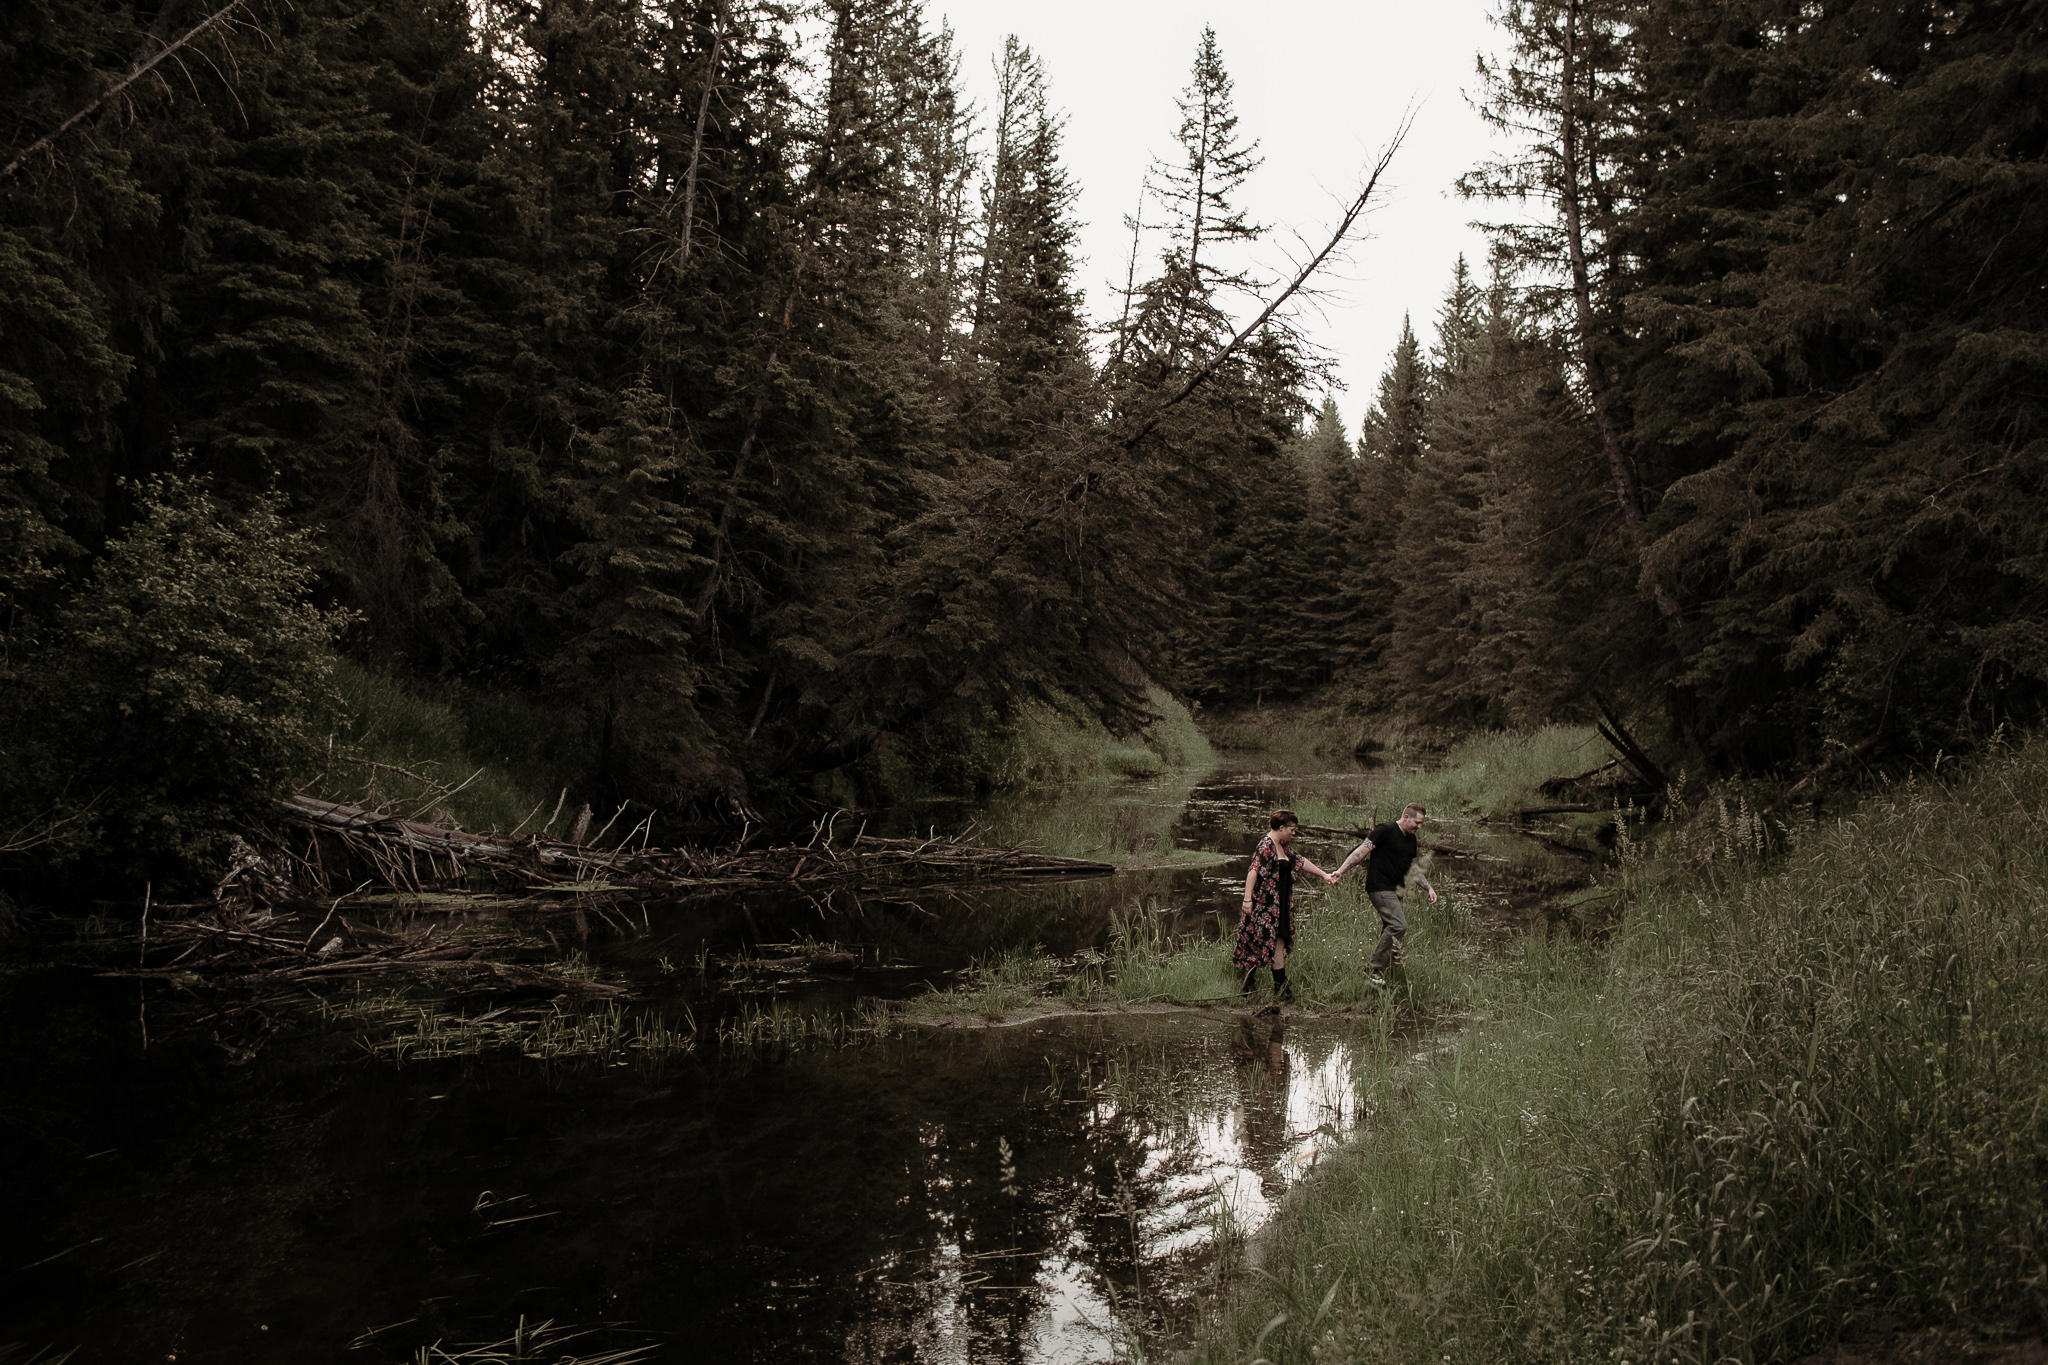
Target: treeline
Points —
{"points": [[716, 373], [1744, 423]]}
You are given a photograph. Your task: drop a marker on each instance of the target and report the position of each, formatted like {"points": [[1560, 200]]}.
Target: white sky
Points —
{"points": [[1321, 85]]}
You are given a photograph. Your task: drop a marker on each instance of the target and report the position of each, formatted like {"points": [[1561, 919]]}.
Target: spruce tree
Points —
{"points": [[1030, 375], [1839, 302], [1179, 319], [1431, 636]]}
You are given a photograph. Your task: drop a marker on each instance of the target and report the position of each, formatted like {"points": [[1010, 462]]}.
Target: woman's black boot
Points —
{"points": [[1281, 990]]}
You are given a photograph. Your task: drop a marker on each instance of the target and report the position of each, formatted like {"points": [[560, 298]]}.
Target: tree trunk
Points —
{"points": [[697, 142]]}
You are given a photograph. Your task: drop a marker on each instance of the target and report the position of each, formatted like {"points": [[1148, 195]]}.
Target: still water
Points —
{"points": [[1031, 1192]]}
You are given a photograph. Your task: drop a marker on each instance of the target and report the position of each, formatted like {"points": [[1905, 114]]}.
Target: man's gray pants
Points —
{"points": [[1393, 928]]}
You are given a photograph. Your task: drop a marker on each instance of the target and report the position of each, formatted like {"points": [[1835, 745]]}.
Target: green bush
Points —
{"points": [[168, 706]]}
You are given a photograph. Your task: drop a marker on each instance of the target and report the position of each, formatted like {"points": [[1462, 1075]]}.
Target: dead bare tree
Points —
{"points": [[718, 28], [1207, 370]]}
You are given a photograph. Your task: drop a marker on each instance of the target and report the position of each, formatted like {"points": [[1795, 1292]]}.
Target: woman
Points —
{"points": [[1265, 931]]}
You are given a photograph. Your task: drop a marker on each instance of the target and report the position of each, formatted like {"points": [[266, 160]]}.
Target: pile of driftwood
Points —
{"points": [[238, 971], [275, 932], [349, 846]]}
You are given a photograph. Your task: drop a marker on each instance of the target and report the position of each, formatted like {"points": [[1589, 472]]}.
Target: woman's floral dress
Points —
{"points": [[1262, 927]]}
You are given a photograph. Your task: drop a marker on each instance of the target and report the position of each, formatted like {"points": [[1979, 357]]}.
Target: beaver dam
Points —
{"points": [[296, 915]]}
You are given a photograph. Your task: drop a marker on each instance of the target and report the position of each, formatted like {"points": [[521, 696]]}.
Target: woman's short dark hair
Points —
{"points": [[1284, 818]]}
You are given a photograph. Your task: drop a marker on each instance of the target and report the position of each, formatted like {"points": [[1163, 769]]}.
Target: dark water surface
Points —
{"points": [[1000, 1194]]}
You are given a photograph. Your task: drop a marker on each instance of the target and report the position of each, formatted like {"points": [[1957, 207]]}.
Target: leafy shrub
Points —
{"points": [[167, 707]]}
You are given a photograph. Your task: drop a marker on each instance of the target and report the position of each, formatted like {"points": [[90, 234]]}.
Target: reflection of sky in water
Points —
{"points": [[1227, 1116]]}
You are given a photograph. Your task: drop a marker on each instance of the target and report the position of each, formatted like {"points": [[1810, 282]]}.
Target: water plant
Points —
{"points": [[435, 1031], [782, 1024], [993, 986]]}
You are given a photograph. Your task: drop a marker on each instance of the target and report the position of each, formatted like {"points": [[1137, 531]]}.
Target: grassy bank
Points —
{"points": [[507, 755], [1793, 1094], [1298, 730], [1050, 746]]}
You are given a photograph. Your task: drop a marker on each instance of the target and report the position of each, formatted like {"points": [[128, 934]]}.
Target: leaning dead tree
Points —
{"points": [[143, 66]]}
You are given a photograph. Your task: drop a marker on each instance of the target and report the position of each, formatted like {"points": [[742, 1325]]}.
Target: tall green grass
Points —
{"points": [[1050, 746], [1335, 932], [1796, 1092], [1487, 776], [513, 755], [1297, 730], [1492, 775]]}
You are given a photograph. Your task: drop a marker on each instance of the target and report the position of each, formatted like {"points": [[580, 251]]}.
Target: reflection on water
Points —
{"points": [[993, 1196], [1015, 1194], [1116, 1189]]}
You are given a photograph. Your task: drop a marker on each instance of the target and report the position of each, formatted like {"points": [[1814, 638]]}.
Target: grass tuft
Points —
{"points": [[1490, 776]]}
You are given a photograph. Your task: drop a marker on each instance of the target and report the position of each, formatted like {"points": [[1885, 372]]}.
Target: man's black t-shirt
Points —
{"points": [[1393, 853]]}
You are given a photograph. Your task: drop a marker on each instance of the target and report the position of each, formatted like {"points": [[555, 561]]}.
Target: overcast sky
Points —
{"points": [[1321, 85]]}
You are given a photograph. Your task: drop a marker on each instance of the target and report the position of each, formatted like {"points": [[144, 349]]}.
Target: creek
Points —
{"points": [[1030, 1191]]}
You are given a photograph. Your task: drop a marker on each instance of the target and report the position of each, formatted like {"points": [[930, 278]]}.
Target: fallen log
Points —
{"points": [[1558, 786], [392, 849], [1616, 734], [1848, 756]]}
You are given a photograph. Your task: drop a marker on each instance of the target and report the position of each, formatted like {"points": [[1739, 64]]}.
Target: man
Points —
{"points": [[1392, 851]]}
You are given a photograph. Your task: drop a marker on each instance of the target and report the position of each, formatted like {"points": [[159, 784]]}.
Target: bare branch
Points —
{"points": [[1301, 277], [135, 73]]}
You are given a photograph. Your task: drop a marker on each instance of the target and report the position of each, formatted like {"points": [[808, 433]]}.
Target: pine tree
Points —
{"points": [[1031, 376], [1839, 299], [1431, 635], [1329, 538], [1564, 83], [1179, 319]]}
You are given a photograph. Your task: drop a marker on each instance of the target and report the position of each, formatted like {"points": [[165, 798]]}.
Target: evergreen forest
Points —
{"points": [[714, 376]]}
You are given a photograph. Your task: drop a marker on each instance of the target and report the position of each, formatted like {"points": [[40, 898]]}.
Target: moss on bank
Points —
{"points": [[1796, 1092]]}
